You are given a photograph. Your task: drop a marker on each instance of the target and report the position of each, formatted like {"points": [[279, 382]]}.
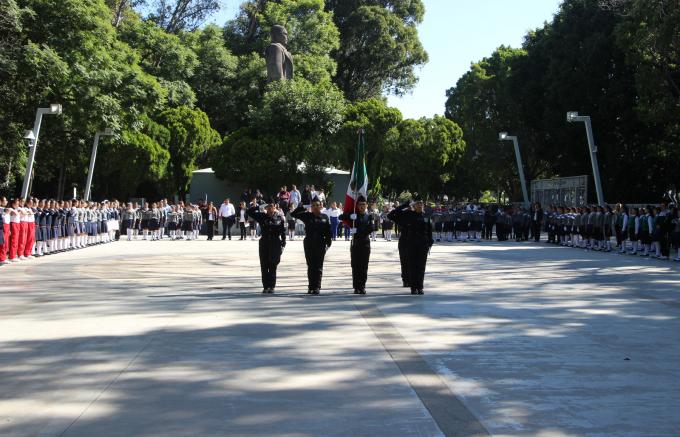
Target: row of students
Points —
{"points": [[649, 231], [156, 220], [32, 228]]}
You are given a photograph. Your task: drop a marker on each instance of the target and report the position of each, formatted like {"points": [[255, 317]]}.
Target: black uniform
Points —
{"points": [[317, 240], [403, 257], [418, 243], [360, 250], [272, 242]]}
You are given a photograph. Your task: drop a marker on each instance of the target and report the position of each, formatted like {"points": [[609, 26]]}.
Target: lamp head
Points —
{"points": [[30, 136], [503, 136], [571, 116], [55, 108], [108, 131]]}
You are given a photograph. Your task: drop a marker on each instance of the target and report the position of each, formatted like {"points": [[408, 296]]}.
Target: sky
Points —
{"points": [[455, 33]]}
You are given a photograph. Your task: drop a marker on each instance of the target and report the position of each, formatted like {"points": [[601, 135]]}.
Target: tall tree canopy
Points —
{"points": [[591, 59], [379, 46]]}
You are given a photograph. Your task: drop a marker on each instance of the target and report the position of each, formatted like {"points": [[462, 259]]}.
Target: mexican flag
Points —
{"points": [[358, 183]]}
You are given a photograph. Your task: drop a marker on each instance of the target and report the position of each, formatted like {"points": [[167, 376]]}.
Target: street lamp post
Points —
{"points": [[503, 136], [32, 137], [573, 117], [93, 158]]}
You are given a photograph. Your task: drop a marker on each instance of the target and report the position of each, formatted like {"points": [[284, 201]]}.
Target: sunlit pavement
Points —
{"points": [[174, 338]]}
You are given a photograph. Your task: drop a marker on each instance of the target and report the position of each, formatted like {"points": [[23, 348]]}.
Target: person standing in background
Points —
{"points": [[294, 197], [4, 230], [227, 214], [211, 217], [333, 213]]}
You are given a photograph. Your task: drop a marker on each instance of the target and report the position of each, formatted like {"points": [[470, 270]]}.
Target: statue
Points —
{"points": [[279, 59]]}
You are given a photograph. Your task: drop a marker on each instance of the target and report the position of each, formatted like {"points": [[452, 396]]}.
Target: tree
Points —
{"points": [[225, 84], [379, 122], [11, 53], [122, 8], [288, 122], [161, 54], [299, 109], [135, 165], [579, 61], [175, 16], [68, 52], [379, 46], [427, 156], [190, 140], [496, 95]]}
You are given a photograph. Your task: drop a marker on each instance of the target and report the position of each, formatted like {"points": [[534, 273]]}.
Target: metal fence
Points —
{"points": [[569, 191]]}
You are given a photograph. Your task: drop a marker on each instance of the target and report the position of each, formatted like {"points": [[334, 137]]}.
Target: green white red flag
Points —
{"points": [[358, 183]]}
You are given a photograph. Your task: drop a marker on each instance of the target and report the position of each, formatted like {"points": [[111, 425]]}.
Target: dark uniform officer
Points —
{"points": [[272, 242], [361, 224], [418, 243], [403, 238], [403, 257], [317, 240]]}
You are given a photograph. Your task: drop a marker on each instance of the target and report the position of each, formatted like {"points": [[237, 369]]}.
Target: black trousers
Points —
{"points": [[315, 252], [210, 229], [227, 223], [517, 230], [242, 227], [360, 253], [664, 244], [675, 238], [536, 231], [270, 257], [488, 231], [417, 249], [403, 260]]}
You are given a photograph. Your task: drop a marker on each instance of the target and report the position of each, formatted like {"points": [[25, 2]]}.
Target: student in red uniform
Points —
{"points": [[30, 229], [14, 229], [4, 231]]}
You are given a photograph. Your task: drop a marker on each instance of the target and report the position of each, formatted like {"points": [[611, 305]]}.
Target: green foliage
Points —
{"points": [[161, 54], [588, 60], [225, 84], [379, 122], [135, 163], [379, 46], [169, 90], [190, 139], [299, 109], [427, 156]]}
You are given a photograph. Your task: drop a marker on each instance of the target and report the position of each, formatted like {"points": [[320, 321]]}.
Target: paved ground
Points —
{"points": [[173, 338]]}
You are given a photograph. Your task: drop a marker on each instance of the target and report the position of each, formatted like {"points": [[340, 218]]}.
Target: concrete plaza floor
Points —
{"points": [[175, 339]]}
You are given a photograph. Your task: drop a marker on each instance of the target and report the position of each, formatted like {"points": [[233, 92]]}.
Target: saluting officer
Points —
{"points": [[419, 240], [272, 242], [361, 225], [403, 254], [317, 240]]}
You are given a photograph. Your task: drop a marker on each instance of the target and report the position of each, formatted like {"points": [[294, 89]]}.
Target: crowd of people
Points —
{"points": [[650, 231], [34, 228]]}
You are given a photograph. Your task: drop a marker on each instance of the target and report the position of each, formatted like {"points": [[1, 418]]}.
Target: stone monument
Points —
{"points": [[279, 59]]}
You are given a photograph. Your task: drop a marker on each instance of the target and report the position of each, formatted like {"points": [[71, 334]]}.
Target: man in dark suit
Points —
{"points": [[536, 221]]}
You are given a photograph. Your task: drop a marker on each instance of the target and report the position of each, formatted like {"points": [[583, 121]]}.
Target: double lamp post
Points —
{"points": [[572, 117]]}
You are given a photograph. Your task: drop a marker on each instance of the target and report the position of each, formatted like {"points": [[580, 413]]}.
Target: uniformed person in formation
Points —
{"points": [[419, 240], [272, 242], [403, 256], [361, 226], [317, 240]]}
